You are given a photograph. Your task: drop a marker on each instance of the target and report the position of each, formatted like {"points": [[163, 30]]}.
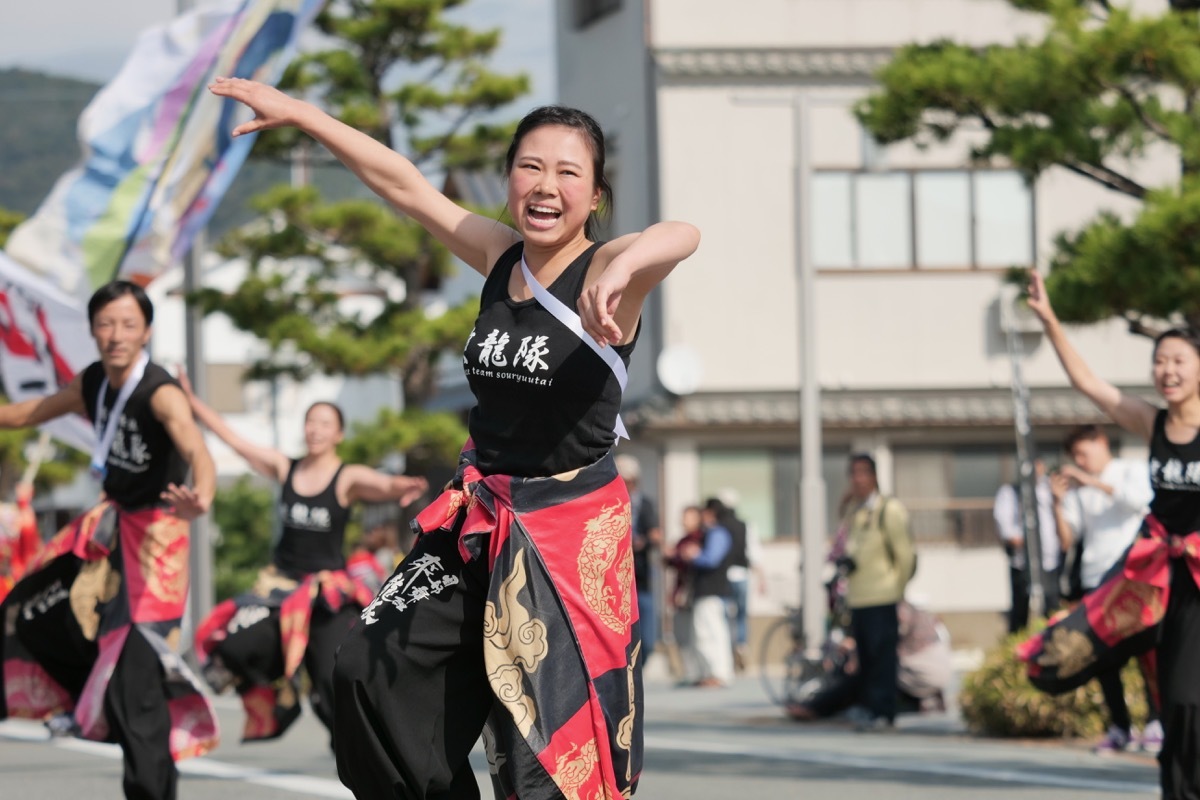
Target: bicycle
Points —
{"points": [[804, 675]]}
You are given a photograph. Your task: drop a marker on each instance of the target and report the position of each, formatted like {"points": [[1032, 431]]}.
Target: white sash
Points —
{"points": [[104, 439], [559, 310]]}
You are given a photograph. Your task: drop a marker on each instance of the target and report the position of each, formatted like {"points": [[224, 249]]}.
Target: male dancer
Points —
{"points": [[106, 653]]}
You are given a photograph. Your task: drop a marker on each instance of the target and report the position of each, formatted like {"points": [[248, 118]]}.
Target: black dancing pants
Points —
{"points": [[326, 632], [411, 694], [136, 707], [255, 654], [1179, 682]]}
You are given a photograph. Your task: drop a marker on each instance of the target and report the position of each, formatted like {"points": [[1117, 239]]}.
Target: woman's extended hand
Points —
{"points": [[272, 108], [1039, 301], [597, 305]]}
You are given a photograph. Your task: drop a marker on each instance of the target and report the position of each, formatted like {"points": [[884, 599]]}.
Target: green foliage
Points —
{"points": [[998, 700], [405, 63], [1101, 87], [427, 438], [244, 513], [405, 73], [60, 469]]}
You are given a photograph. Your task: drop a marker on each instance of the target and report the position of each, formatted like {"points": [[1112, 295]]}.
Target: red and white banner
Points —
{"points": [[44, 340]]}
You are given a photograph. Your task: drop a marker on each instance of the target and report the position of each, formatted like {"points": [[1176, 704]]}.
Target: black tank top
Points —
{"points": [[545, 402], [1175, 476], [314, 529], [143, 459]]}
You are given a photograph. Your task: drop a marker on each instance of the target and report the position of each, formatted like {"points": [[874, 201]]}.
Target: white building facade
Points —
{"points": [[910, 248]]}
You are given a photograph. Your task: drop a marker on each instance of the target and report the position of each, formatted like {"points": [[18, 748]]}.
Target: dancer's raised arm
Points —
{"points": [[266, 461], [1131, 413], [475, 239]]}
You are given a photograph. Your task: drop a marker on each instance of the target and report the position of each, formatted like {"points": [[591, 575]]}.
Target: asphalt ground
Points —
{"points": [[701, 744]]}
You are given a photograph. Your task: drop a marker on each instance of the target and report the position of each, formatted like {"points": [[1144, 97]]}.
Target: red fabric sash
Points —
{"points": [[1149, 560], [150, 593], [571, 537], [1115, 621]]}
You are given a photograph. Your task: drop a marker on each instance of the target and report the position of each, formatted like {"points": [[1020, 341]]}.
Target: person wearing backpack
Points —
{"points": [[879, 545]]}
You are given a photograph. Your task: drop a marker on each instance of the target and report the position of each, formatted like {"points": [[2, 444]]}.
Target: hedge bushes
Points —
{"points": [[998, 700]]}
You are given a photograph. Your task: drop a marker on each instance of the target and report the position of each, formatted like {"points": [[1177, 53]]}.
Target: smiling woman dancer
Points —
{"points": [[305, 600], [1153, 593], [514, 609]]}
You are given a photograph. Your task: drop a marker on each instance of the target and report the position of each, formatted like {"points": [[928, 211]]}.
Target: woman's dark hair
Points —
{"points": [[1186, 334], [590, 129], [341, 418], [116, 290]]}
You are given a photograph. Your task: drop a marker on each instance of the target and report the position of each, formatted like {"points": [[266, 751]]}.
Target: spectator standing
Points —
{"points": [[1007, 513], [708, 564], [879, 544], [741, 564], [684, 630]]}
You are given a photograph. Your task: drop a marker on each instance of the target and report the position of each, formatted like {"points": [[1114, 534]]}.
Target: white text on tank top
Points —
{"points": [[301, 516], [117, 436], [494, 356]]}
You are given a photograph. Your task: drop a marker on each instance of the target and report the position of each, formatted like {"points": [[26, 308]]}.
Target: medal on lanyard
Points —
{"points": [[104, 438]]}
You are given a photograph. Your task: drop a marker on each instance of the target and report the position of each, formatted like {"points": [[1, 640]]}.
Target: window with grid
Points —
{"points": [[917, 219]]}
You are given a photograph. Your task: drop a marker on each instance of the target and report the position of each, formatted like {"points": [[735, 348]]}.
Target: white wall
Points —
{"points": [[732, 176]]}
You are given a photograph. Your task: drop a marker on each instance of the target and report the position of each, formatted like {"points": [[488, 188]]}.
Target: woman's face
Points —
{"points": [[1176, 370], [322, 430], [552, 187]]}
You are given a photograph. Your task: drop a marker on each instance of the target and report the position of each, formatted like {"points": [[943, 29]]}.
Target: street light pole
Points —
{"points": [[1027, 478], [812, 481], [811, 522], [201, 577]]}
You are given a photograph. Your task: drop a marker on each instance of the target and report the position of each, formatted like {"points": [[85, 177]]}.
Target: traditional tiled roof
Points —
{"points": [[779, 62], [868, 409]]}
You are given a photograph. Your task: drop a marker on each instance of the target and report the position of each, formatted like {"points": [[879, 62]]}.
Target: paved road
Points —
{"points": [[701, 745]]}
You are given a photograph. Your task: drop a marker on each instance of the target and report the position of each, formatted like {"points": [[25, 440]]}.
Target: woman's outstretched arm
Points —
{"points": [[1131, 413], [475, 239], [264, 460]]}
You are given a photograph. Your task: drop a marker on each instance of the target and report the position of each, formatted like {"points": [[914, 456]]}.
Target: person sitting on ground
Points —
{"points": [[922, 680]]}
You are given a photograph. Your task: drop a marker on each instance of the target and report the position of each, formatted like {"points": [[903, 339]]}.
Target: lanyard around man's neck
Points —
{"points": [[104, 439]]}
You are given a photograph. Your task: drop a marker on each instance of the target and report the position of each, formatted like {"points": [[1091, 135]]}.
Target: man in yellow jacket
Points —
{"points": [[879, 546]]}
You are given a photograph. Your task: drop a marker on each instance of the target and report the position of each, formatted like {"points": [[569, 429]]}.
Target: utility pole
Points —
{"points": [[201, 556], [812, 482], [1027, 477]]}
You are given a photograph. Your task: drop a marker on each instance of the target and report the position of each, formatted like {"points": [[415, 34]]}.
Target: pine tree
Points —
{"points": [[404, 72], [1102, 87]]}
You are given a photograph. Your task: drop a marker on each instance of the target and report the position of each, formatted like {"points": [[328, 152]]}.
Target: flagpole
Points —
{"points": [[201, 600]]}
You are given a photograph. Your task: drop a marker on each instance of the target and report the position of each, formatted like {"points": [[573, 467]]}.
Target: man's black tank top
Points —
{"points": [[545, 402], [143, 459], [314, 529], [1175, 476]]}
